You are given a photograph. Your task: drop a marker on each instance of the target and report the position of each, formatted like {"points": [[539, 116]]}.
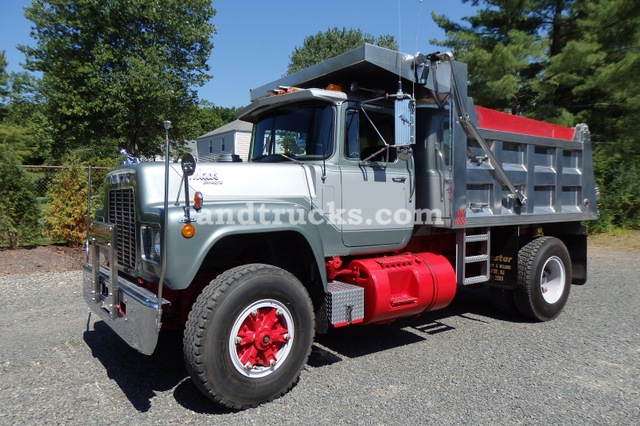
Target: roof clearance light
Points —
{"points": [[334, 87], [188, 230], [283, 90]]}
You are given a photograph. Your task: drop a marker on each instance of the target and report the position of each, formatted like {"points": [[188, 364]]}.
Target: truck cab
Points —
{"points": [[358, 181]]}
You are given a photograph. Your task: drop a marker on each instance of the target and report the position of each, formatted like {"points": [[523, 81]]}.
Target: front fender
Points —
{"points": [[213, 223]]}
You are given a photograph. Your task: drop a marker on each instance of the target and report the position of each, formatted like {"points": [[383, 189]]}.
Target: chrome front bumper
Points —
{"points": [[132, 311]]}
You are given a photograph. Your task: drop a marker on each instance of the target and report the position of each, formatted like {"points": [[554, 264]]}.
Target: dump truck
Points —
{"points": [[374, 189]]}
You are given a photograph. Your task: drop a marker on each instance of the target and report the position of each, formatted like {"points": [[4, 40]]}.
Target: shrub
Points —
{"points": [[19, 209], [67, 214], [618, 178]]}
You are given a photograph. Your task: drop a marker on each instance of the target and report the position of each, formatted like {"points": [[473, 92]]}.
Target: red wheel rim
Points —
{"points": [[261, 338]]}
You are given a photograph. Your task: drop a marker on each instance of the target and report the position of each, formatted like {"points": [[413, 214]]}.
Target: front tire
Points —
{"points": [[249, 335], [544, 278]]}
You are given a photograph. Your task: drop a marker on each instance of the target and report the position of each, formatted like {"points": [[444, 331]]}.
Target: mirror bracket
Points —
{"points": [[188, 165]]}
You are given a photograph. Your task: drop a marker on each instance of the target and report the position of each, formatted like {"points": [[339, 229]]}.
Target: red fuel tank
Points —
{"points": [[401, 285]]}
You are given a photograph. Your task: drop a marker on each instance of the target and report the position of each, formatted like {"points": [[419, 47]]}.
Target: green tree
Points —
{"points": [[113, 70], [14, 117], [25, 126], [599, 63], [207, 117], [599, 67], [3, 83], [505, 47], [334, 41]]}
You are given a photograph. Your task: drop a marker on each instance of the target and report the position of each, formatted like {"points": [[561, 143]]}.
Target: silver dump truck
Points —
{"points": [[374, 188]]}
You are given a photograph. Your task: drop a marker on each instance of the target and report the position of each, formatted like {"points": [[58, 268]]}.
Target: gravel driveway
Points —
{"points": [[467, 364]]}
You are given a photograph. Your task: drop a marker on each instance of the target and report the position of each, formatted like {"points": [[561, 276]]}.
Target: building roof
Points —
{"points": [[234, 126]]}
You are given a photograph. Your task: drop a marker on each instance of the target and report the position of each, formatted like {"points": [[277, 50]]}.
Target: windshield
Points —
{"points": [[302, 132]]}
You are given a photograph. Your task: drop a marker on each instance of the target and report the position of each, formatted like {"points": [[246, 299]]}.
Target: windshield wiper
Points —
{"points": [[267, 157], [295, 160]]}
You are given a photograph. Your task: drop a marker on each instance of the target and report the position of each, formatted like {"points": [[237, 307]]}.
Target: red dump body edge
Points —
{"points": [[489, 119]]}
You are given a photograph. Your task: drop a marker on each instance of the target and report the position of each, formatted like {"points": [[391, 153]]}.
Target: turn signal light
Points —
{"points": [[188, 230]]}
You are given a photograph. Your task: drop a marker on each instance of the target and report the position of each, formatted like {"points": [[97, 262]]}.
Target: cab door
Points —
{"points": [[376, 185]]}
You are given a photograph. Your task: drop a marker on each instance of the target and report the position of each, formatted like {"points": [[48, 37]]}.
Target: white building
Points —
{"points": [[232, 138]]}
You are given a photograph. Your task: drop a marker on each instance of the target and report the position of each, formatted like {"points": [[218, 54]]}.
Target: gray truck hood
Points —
{"points": [[252, 181]]}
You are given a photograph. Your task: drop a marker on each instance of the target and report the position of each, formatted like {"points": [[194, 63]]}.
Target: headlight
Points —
{"points": [[151, 242]]}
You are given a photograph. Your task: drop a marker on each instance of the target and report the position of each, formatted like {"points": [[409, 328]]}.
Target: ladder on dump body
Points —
{"points": [[473, 255]]}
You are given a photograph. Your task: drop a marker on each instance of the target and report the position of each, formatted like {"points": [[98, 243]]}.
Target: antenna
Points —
{"points": [[399, 63], [415, 48]]}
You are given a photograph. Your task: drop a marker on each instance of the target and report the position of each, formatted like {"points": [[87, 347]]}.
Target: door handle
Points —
{"points": [[399, 179]]}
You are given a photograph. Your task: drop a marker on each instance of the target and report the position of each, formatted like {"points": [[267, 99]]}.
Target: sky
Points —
{"points": [[255, 38]]}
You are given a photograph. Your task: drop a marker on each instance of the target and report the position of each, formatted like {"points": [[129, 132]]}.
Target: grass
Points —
{"points": [[618, 240]]}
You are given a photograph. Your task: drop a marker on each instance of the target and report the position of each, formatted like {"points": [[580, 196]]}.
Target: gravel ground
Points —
{"points": [[42, 259], [466, 364]]}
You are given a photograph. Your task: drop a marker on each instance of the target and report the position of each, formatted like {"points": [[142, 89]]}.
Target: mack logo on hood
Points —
{"points": [[208, 178]]}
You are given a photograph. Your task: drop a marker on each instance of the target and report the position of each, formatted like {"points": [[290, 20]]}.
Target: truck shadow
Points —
{"points": [[473, 305], [141, 377]]}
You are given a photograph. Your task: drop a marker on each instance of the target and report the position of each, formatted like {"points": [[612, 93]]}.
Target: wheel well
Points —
{"points": [[508, 240], [574, 237], [288, 250]]}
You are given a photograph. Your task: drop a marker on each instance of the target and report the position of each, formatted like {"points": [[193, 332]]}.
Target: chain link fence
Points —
{"points": [[43, 177]]}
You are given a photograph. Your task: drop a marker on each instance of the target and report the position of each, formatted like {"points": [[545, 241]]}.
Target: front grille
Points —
{"points": [[122, 214]]}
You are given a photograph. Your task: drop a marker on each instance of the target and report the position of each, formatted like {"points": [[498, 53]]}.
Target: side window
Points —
{"points": [[365, 134], [351, 140]]}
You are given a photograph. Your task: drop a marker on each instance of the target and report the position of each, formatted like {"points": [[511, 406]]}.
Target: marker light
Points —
{"points": [[197, 200], [188, 230]]}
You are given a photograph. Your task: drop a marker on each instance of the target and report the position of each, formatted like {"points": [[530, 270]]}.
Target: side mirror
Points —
{"points": [[188, 164], [405, 153], [405, 119]]}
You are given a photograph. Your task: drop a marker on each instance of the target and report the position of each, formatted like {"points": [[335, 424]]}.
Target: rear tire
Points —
{"points": [[544, 278], [249, 335]]}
